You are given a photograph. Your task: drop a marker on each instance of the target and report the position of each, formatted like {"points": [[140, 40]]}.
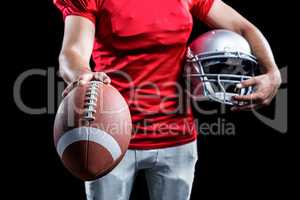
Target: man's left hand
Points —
{"points": [[266, 87]]}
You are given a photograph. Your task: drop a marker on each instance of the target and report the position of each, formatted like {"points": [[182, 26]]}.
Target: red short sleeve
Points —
{"points": [[85, 8], [201, 8]]}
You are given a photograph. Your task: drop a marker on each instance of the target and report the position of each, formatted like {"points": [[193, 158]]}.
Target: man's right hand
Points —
{"points": [[84, 78]]}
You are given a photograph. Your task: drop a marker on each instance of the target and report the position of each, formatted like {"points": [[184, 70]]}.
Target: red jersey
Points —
{"points": [[141, 45]]}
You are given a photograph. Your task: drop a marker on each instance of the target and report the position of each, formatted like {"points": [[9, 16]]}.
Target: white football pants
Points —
{"points": [[169, 173]]}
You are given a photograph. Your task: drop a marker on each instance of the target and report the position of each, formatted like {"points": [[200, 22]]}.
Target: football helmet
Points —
{"points": [[215, 63]]}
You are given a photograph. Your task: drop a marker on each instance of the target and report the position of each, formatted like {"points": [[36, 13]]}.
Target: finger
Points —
{"points": [[107, 80], [69, 88], [85, 78], [249, 97], [244, 108], [247, 83], [65, 92], [101, 76]]}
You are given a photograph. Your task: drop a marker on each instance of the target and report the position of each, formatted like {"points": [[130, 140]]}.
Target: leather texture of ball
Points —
{"points": [[92, 130]]}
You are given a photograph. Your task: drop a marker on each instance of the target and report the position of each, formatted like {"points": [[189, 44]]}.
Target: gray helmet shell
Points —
{"points": [[219, 49]]}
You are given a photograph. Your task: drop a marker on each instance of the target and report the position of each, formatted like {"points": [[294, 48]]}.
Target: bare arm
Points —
{"points": [[77, 47], [76, 52], [225, 17]]}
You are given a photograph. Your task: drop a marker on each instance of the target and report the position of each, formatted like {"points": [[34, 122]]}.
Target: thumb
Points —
{"points": [[85, 78]]}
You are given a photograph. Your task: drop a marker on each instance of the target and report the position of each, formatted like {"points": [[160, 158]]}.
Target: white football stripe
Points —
{"points": [[89, 134]]}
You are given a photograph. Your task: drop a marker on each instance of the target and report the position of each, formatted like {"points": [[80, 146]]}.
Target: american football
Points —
{"points": [[92, 130]]}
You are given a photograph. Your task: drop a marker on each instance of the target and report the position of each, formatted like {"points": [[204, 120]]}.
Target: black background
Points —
{"points": [[257, 162]]}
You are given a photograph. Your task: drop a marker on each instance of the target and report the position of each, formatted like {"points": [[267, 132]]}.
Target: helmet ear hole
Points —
{"points": [[216, 62]]}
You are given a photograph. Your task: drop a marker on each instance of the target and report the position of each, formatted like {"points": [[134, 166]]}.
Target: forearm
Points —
{"points": [[77, 47], [223, 16], [260, 48], [71, 65]]}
